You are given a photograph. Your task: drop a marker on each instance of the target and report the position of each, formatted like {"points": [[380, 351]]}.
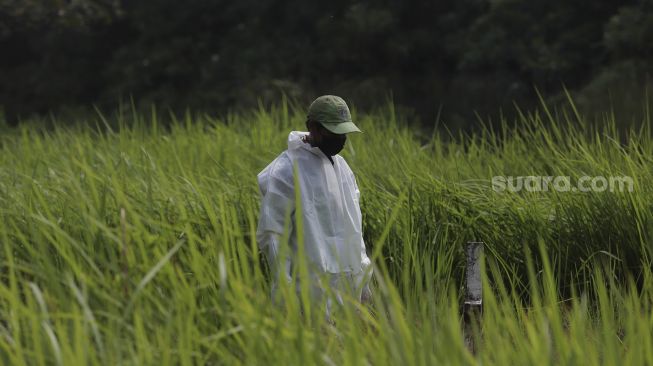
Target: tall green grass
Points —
{"points": [[127, 242]]}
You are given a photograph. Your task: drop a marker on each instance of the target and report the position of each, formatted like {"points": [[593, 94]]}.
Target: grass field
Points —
{"points": [[127, 243]]}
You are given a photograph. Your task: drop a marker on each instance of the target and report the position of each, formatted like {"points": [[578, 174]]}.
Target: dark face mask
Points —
{"points": [[332, 145]]}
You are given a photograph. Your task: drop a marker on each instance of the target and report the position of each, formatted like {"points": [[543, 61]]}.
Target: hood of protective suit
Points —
{"points": [[295, 140]]}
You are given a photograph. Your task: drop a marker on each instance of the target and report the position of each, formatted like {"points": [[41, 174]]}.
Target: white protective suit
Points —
{"points": [[333, 240]]}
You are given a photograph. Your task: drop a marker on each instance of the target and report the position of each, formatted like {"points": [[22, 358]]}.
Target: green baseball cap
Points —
{"points": [[332, 112]]}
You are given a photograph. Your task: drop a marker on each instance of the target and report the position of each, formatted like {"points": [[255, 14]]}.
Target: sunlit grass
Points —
{"points": [[125, 242]]}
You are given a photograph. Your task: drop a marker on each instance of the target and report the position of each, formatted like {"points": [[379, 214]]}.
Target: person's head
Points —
{"points": [[330, 143], [329, 122]]}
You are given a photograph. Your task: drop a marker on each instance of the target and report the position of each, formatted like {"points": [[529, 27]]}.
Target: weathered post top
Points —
{"points": [[473, 295]]}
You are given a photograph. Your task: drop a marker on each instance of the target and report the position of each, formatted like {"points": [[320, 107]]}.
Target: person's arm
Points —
{"points": [[277, 205], [270, 246], [365, 276], [357, 195]]}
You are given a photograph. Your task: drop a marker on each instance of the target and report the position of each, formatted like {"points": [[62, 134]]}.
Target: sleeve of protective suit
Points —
{"points": [[366, 260], [277, 268], [363, 279], [277, 205]]}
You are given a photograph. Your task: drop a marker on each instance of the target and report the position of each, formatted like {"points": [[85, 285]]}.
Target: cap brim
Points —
{"points": [[341, 128]]}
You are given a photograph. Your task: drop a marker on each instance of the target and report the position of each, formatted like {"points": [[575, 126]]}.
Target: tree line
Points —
{"points": [[454, 59]]}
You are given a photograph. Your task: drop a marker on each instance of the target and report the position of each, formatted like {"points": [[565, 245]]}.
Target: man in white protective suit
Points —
{"points": [[334, 249]]}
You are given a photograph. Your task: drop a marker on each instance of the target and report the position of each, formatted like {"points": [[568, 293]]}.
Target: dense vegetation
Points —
{"points": [[124, 242], [452, 57]]}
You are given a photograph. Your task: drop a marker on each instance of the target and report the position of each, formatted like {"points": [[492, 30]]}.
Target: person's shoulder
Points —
{"points": [[342, 162], [344, 166], [281, 167], [279, 170]]}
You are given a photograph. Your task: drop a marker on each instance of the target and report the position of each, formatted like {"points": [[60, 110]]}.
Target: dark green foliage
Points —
{"points": [[462, 56]]}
